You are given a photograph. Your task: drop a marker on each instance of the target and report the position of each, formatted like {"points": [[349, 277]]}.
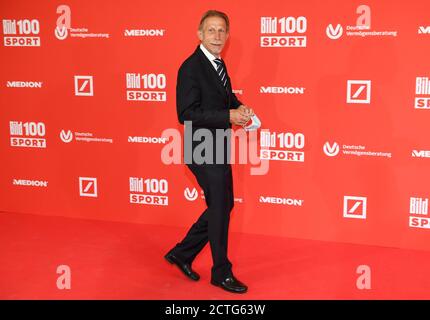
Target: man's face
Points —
{"points": [[213, 35]]}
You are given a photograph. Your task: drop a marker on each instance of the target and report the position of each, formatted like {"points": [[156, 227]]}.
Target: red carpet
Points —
{"points": [[113, 260]]}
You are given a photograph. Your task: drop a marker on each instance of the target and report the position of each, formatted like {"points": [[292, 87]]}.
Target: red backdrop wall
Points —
{"points": [[341, 86]]}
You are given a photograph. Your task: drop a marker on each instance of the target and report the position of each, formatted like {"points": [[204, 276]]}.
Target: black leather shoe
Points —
{"points": [[231, 284], [184, 267]]}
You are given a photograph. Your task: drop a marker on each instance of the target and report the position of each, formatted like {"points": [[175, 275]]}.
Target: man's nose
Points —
{"points": [[217, 35]]}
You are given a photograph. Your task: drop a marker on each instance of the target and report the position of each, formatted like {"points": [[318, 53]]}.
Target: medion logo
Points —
{"points": [[32, 183], [420, 153], [285, 201], [282, 90], [147, 140], [24, 84], [144, 33], [424, 30]]}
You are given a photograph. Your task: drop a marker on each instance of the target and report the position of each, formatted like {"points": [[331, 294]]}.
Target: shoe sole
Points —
{"points": [[172, 262], [232, 291]]}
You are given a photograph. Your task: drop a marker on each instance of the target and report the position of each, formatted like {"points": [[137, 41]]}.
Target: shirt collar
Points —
{"points": [[209, 55]]}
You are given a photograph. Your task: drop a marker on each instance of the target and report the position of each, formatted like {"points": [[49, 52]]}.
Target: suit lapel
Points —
{"points": [[211, 70]]}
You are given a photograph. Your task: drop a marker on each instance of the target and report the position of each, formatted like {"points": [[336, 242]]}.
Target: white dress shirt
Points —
{"points": [[209, 55]]}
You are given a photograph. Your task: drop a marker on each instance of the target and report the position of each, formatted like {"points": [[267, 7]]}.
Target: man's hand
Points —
{"points": [[239, 116], [247, 110]]}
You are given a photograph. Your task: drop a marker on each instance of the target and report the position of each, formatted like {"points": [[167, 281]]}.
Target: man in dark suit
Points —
{"points": [[205, 102]]}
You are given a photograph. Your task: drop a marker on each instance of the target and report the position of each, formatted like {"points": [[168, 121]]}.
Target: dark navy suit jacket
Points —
{"points": [[202, 99]]}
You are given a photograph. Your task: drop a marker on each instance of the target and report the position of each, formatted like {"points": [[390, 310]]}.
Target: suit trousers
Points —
{"points": [[217, 183]]}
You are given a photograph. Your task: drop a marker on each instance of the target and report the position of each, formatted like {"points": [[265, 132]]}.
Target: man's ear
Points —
{"points": [[200, 34]]}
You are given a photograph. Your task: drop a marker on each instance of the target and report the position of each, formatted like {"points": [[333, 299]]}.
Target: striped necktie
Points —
{"points": [[221, 72]]}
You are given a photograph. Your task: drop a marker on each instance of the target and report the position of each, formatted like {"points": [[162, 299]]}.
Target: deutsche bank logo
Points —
{"points": [[84, 86], [88, 187], [358, 91], [354, 207]]}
